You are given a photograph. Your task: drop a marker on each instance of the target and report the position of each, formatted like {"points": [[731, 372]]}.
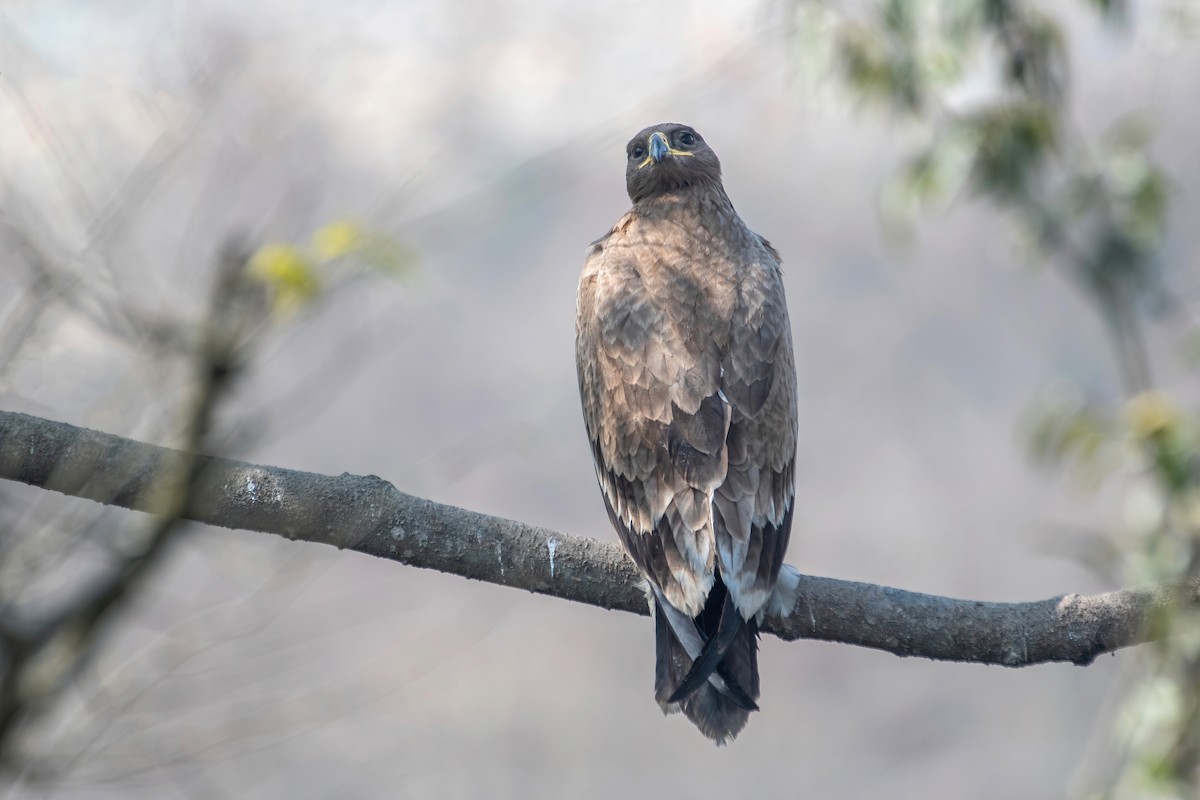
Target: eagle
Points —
{"points": [[688, 385]]}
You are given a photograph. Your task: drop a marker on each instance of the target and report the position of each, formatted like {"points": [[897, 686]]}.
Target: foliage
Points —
{"points": [[988, 82], [45, 651], [293, 275]]}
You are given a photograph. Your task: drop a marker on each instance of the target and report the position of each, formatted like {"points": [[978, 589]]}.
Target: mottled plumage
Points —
{"points": [[685, 364]]}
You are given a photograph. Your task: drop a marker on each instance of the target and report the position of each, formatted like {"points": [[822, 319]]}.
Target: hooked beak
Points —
{"points": [[659, 147]]}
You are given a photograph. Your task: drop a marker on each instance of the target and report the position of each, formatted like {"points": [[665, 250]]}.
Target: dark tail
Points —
{"points": [[719, 711]]}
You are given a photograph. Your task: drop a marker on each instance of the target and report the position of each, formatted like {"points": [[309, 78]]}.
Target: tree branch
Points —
{"points": [[368, 515]]}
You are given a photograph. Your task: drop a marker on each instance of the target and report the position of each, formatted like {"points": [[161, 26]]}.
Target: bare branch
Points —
{"points": [[369, 515], [57, 645]]}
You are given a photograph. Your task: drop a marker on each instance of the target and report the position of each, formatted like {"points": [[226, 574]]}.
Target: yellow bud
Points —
{"points": [[1151, 413], [336, 240], [288, 273]]}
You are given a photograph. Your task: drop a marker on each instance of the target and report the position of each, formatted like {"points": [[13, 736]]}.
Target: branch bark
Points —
{"points": [[366, 514]]}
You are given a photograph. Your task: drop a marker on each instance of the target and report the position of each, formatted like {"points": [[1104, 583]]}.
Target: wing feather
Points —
{"points": [[688, 388]]}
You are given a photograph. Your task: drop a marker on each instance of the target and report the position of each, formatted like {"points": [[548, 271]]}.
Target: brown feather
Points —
{"points": [[688, 385]]}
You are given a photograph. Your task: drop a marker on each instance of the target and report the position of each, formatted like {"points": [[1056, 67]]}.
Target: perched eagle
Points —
{"points": [[685, 364]]}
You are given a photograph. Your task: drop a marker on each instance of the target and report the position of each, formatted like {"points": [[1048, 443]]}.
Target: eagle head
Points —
{"points": [[668, 157]]}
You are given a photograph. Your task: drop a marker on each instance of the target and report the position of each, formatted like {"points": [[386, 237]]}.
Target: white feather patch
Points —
{"points": [[783, 599]]}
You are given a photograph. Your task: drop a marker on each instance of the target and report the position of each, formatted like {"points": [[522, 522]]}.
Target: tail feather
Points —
{"points": [[729, 625], [718, 712]]}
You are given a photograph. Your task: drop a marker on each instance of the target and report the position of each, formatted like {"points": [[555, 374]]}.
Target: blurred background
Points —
{"points": [[485, 139]]}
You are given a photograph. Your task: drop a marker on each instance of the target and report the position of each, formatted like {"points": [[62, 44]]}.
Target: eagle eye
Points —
{"points": [[687, 139], [638, 151]]}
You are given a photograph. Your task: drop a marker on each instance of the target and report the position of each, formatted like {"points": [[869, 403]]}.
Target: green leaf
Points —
{"points": [[941, 171], [1064, 432], [1035, 57], [1013, 142], [387, 255], [877, 71]]}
